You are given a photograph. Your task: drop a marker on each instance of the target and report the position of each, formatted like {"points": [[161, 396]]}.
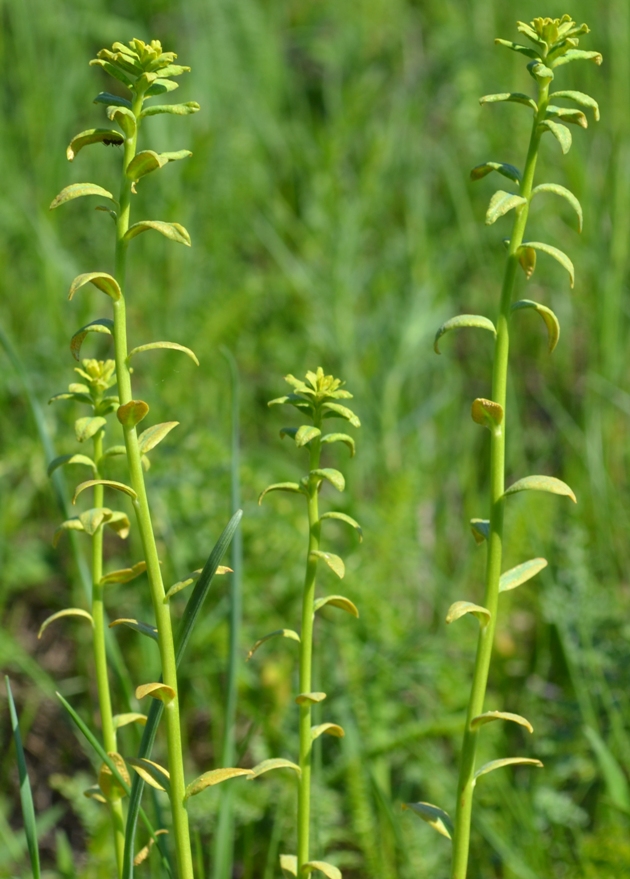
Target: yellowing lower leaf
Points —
{"points": [[437, 818], [144, 852], [215, 776], [487, 413], [154, 774], [305, 698], [460, 608], [329, 729], [120, 720], [111, 788], [124, 575], [324, 867], [490, 716], [289, 863], [157, 690], [68, 612]]}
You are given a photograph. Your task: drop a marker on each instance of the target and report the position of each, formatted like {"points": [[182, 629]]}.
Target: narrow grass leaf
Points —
{"points": [[120, 720], [500, 203], [324, 867], [521, 574], [173, 346], [329, 729], [137, 626], [284, 633], [333, 476], [437, 818], [341, 438], [150, 437], [78, 190], [156, 690], [463, 320], [542, 483], [339, 601], [124, 575], [289, 863], [342, 517], [68, 612], [512, 97], [616, 783], [502, 168], [102, 325], [172, 231], [132, 413], [460, 608], [154, 774], [480, 529], [561, 134], [26, 796], [281, 486], [506, 761], [550, 319], [70, 459], [274, 763], [101, 280], [490, 716], [313, 698], [565, 193], [333, 561], [215, 776], [108, 483], [107, 136], [581, 99]]}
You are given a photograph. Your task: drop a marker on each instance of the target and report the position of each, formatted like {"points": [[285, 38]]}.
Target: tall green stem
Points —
{"points": [[100, 657], [161, 610], [461, 838], [306, 656]]}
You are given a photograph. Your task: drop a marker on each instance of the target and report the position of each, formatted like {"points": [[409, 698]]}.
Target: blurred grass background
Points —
{"points": [[333, 223]]}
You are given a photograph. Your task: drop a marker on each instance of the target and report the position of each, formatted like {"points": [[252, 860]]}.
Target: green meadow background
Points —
{"points": [[333, 223]]}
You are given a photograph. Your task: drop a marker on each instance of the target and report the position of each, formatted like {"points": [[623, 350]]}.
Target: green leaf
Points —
{"points": [[324, 867], [113, 70], [339, 601], [542, 483], [173, 346], [157, 690], [108, 785], [68, 612], [463, 320], [293, 400], [500, 203], [101, 280], [26, 796], [71, 459], [120, 720], [173, 231], [490, 716], [124, 575], [114, 100], [108, 136], [176, 156], [437, 818], [78, 398], [86, 428], [503, 168], [113, 451], [176, 109], [73, 524], [480, 529], [124, 117], [527, 260], [77, 190], [305, 434], [329, 729], [572, 116], [581, 99], [102, 325], [514, 97], [274, 763], [138, 626], [108, 483], [132, 413], [577, 55], [143, 163], [506, 761], [160, 87], [154, 774], [551, 321], [150, 437], [342, 517], [515, 47], [558, 255], [289, 863], [285, 633], [336, 409], [312, 698], [94, 518], [119, 523], [487, 413], [333, 561], [564, 193], [215, 776], [540, 72], [340, 438], [281, 486], [333, 476], [521, 574], [460, 608], [560, 132]]}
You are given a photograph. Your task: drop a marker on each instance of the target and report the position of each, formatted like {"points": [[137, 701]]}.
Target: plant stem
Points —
{"points": [[306, 655], [465, 788], [161, 610], [100, 656]]}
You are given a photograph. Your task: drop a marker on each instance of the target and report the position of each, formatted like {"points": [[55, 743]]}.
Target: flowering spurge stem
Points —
{"points": [[555, 43], [318, 398], [146, 71]]}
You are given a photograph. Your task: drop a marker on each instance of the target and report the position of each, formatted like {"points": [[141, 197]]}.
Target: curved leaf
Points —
{"points": [[132, 413], [339, 601], [558, 255], [463, 320], [102, 325], [145, 851], [142, 628], [174, 346], [566, 114], [111, 788], [143, 163], [86, 428], [68, 612], [71, 459], [305, 434], [502, 202], [577, 55], [490, 716], [540, 72], [289, 863], [521, 574], [581, 99], [336, 409], [340, 438], [506, 761], [460, 608], [94, 518], [78, 190], [154, 774], [551, 321], [333, 476], [158, 690], [324, 867], [124, 117], [487, 413], [329, 729], [564, 193], [176, 109], [284, 633], [74, 524], [215, 776], [108, 483], [560, 132], [333, 561], [101, 281], [281, 486], [120, 720], [313, 698], [542, 483], [513, 97], [150, 437], [107, 136], [274, 763], [124, 575], [437, 818], [119, 523], [480, 529], [342, 517], [173, 231], [114, 100], [515, 47], [503, 168], [160, 86]]}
